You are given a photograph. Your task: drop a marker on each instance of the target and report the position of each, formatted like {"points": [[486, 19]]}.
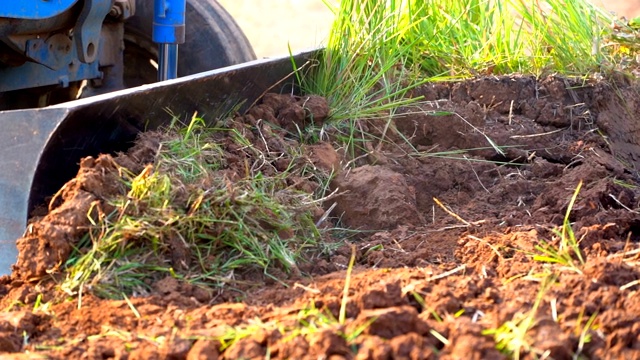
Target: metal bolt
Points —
{"points": [[63, 80], [115, 11]]}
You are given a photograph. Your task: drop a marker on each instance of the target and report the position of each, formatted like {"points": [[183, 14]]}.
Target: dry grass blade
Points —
{"points": [[448, 211]]}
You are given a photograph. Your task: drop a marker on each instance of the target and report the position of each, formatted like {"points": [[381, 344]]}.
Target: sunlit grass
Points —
{"points": [[482, 37], [377, 51]]}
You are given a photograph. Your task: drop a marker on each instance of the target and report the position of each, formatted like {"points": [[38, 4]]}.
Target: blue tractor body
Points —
{"points": [[59, 42], [34, 9]]}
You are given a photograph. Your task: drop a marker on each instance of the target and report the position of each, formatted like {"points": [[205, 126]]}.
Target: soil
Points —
{"points": [[445, 253]]}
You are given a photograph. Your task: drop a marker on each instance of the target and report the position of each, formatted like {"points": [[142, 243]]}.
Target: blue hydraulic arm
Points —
{"points": [[168, 32]]}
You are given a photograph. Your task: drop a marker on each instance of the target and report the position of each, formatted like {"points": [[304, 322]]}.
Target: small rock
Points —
{"points": [[328, 342], [246, 348], [373, 348], [167, 285], [391, 322], [204, 350]]}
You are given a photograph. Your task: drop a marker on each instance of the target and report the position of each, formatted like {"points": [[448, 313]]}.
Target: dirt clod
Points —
{"points": [[376, 198]]}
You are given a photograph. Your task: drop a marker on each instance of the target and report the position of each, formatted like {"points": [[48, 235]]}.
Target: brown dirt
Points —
{"points": [[422, 274]]}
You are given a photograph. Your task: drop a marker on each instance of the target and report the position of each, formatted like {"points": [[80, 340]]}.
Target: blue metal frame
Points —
{"points": [[30, 75], [52, 66], [88, 27], [56, 62], [34, 9]]}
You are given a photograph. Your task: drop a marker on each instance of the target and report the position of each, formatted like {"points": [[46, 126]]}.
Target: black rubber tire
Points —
{"points": [[213, 40]]}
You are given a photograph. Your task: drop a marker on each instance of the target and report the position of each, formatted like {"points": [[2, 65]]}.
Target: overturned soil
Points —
{"points": [[445, 253]]}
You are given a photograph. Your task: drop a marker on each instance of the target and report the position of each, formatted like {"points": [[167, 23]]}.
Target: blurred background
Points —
{"points": [[628, 8], [271, 25]]}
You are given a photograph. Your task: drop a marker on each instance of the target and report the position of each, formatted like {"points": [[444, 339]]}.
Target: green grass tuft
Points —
{"points": [[378, 52], [567, 252], [482, 37]]}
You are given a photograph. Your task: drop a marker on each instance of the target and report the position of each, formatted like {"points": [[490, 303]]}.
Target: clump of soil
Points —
{"points": [[447, 251]]}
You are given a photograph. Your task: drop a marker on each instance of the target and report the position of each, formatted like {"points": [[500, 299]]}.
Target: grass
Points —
{"points": [[449, 39], [185, 217], [512, 337], [502, 37], [307, 321], [377, 53], [583, 332], [567, 252], [361, 70], [362, 73]]}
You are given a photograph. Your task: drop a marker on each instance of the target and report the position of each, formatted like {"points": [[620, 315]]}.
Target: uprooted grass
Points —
{"points": [[192, 216]]}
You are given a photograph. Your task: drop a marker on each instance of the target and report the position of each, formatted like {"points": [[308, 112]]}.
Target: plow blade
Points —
{"points": [[40, 148]]}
